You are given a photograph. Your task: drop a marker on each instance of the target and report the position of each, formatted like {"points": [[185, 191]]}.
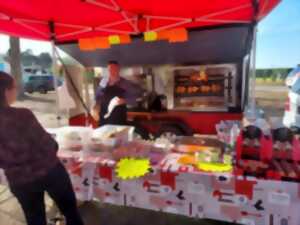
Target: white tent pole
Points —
{"points": [[253, 73], [173, 25], [54, 66]]}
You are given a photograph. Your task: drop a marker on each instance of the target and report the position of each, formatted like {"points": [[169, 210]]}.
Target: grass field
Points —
{"points": [[271, 98], [271, 82]]}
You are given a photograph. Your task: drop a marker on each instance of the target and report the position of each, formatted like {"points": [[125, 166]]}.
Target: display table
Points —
{"points": [[183, 190]]}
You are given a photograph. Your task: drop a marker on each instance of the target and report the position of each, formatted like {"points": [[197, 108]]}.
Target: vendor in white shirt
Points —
{"points": [[113, 95]]}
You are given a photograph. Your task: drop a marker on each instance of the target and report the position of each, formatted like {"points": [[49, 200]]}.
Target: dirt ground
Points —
{"points": [[270, 99]]}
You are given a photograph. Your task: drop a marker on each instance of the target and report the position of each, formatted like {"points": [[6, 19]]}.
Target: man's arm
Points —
{"points": [[96, 112], [96, 108]]}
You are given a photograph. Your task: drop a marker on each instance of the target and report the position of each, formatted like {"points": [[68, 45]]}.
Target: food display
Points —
{"points": [[109, 136], [131, 150], [72, 141], [205, 154], [210, 154], [256, 150], [265, 151], [78, 139], [192, 148], [139, 149], [196, 144], [73, 138], [188, 85], [215, 167], [214, 161], [204, 86], [251, 149], [241, 168], [188, 177], [112, 131], [116, 141], [227, 132]]}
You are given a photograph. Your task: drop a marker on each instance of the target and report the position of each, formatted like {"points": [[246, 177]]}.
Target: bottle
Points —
{"points": [[234, 133]]}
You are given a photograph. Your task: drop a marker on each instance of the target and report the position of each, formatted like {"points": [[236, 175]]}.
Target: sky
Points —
{"points": [[278, 39]]}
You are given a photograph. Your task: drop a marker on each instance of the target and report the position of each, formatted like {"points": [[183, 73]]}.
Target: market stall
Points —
{"points": [[194, 177], [200, 177], [147, 33], [201, 79]]}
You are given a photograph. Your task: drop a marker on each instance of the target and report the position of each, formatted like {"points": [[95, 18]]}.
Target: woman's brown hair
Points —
{"points": [[6, 83]]}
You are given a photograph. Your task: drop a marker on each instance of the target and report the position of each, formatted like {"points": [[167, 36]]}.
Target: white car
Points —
{"points": [[292, 107], [292, 77]]}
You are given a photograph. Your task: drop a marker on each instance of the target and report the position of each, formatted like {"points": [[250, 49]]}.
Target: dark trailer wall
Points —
{"points": [[219, 45], [228, 44]]}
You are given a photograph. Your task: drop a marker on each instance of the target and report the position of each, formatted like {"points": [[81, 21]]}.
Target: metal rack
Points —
{"points": [[217, 93]]}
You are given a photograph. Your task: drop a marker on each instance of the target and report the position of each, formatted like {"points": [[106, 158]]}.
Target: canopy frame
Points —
{"points": [[132, 19]]}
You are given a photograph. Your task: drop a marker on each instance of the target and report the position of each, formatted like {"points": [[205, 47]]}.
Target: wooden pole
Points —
{"points": [[15, 64]]}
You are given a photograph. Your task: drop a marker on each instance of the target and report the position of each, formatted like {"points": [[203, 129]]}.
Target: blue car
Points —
{"points": [[41, 84]]}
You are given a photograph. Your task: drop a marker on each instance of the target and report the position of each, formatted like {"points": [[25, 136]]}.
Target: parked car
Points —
{"points": [[292, 77], [41, 84], [292, 107]]}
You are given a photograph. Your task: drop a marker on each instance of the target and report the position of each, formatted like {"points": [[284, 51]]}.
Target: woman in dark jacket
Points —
{"points": [[28, 157]]}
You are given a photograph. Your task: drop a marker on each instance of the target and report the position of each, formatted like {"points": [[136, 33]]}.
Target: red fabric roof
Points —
{"points": [[74, 19]]}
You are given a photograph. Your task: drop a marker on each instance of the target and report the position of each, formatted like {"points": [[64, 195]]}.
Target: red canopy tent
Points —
{"points": [[69, 20], [64, 21]]}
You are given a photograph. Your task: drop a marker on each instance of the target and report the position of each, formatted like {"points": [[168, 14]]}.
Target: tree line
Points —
{"points": [[17, 59], [273, 73], [44, 60]]}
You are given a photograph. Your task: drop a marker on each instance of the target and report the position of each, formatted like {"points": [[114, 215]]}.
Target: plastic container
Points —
{"points": [[227, 131], [110, 136], [74, 138]]}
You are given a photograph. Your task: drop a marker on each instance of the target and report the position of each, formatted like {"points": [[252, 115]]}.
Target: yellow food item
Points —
{"points": [[187, 160], [214, 167]]}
